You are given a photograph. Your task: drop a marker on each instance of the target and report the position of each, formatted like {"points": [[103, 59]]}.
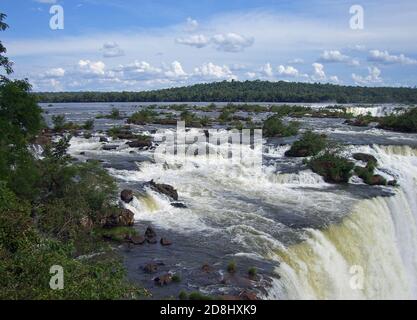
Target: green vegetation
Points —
{"points": [[246, 91], [405, 122], [50, 209], [310, 144], [144, 116], [198, 296], [114, 114], [89, 125], [332, 167], [232, 267], [183, 295], [252, 272], [176, 278], [275, 127]]}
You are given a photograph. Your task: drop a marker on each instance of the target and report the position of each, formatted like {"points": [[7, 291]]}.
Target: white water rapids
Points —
{"points": [[377, 236]]}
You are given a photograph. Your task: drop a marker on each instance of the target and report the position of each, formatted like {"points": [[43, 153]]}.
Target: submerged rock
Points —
{"points": [[150, 235], [178, 205], [126, 195], [163, 280], [164, 189], [165, 242], [150, 267]]}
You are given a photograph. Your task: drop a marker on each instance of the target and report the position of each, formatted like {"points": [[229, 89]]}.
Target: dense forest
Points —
{"points": [[246, 91]]}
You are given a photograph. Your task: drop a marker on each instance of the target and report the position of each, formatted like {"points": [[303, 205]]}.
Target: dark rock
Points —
{"points": [[178, 205], [126, 195], [82, 153], [140, 144], [150, 233], [151, 240], [150, 267], [164, 189], [104, 139], [302, 152], [165, 242], [377, 180], [246, 295], [137, 240], [164, 279], [364, 157], [109, 147], [123, 218], [357, 122], [393, 183], [206, 268]]}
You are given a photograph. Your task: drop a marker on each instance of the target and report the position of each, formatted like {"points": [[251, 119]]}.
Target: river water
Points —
{"points": [[308, 239]]}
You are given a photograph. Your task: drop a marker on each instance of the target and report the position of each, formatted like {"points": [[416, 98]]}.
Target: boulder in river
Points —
{"points": [[150, 235], [164, 189], [377, 180], [137, 240], [140, 144], [150, 267], [126, 195], [121, 218], [178, 205], [108, 147], [165, 242], [104, 139], [364, 157], [163, 280]]}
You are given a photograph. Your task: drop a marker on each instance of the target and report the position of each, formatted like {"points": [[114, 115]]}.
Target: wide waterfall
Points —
{"points": [[376, 242]]}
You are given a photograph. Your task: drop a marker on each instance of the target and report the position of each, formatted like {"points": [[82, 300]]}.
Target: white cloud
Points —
{"points": [[231, 42], [319, 73], [54, 73], [210, 71], [288, 71], [91, 67], [176, 70], [198, 40], [191, 25], [266, 70], [373, 77], [228, 42], [386, 57], [333, 56]]}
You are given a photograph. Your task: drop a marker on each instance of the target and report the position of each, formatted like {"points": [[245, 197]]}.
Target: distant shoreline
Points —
{"points": [[245, 92]]}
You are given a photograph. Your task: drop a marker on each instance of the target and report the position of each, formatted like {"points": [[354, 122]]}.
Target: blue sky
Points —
{"points": [[143, 45]]}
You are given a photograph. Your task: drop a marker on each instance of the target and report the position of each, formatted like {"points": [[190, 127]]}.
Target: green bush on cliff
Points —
{"points": [[310, 144], [275, 127], [332, 167], [406, 122]]}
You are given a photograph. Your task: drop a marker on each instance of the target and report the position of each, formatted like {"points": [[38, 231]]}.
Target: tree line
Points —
{"points": [[246, 91]]}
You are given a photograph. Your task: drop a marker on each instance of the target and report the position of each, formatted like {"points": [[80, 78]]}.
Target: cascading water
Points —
{"points": [[378, 238]]}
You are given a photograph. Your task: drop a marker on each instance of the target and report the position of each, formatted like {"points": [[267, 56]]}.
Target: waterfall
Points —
{"points": [[376, 244]]}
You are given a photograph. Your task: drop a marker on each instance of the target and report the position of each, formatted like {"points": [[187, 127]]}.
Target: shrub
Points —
{"points": [[143, 116], [310, 144], [89, 125], [176, 278], [274, 126], [333, 168], [231, 267], [406, 122], [183, 295], [252, 272]]}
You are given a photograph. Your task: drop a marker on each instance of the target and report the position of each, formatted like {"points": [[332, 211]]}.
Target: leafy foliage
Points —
{"points": [[274, 126], [332, 167], [406, 122], [310, 144]]}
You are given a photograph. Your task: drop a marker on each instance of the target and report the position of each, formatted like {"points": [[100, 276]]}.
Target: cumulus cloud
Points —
{"points": [[228, 42], [54, 73], [318, 73], [387, 58], [210, 71], [333, 56], [288, 71], [231, 42], [91, 68], [266, 70], [373, 77], [176, 70], [197, 40]]}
